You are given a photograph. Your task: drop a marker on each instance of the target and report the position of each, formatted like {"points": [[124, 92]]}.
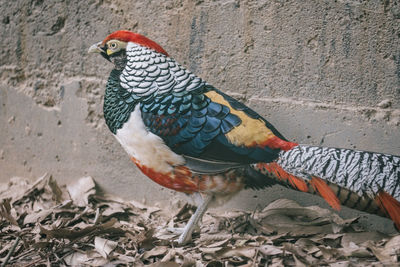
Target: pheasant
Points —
{"points": [[188, 136]]}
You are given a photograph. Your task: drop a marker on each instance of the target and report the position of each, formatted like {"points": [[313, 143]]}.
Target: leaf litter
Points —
{"points": [[44, 224]]}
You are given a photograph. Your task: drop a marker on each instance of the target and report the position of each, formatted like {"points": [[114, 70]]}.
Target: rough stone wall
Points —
{"points": [[323, 72]]}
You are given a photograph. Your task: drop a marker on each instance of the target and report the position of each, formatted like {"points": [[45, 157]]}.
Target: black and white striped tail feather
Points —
{"points": [[365, 173]]}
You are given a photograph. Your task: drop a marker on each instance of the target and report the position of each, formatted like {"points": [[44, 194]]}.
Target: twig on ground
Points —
{"points": [[10, 252]]}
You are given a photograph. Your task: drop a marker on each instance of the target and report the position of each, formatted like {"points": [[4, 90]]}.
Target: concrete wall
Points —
{"points": [[323, 72]]}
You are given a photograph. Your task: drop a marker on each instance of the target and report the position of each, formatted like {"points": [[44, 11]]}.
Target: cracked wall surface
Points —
{"points": [[323, 72]]}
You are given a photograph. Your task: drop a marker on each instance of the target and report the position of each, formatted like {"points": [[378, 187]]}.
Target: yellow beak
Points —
{"points": [[109, 52]]}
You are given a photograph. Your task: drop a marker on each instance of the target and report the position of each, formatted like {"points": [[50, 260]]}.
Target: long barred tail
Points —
{"points": [[357, 171], [361, 180]]}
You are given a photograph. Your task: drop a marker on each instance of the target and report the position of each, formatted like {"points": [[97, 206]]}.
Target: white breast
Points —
{"points": [[146, 147]]}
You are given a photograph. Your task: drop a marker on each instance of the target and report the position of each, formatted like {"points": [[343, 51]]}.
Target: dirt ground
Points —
{"points": [[45, 224]]}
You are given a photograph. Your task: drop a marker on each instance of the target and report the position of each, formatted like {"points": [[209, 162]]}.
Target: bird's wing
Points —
{"points": [[193, 118], [212, 130]]}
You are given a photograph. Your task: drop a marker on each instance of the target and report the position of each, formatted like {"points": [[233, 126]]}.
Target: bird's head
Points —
{"points": [[113, 47]]}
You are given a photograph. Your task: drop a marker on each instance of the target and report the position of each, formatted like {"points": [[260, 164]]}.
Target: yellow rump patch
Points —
{"points": [[251, 132]]}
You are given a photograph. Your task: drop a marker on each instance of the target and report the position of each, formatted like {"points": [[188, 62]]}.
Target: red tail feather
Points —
{"points": [[326, 192], [281, 174], [389, 205], [317, 183]]}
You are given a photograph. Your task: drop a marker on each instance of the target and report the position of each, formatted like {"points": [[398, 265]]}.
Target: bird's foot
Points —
{"points": [[176, 230], [184, 236]]}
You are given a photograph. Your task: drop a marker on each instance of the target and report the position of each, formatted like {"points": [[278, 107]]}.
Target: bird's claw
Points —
{"points": [[175, 230], [184, 237]]}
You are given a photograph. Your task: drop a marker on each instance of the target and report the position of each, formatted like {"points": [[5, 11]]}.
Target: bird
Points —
{"points": [[188, 136]]}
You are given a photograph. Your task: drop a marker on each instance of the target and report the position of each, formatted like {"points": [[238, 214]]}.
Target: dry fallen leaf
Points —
{"points": [[72, 234], [247, 252], [301, 254], [65, 227], [218, 243], [58, 194], [353, 250], [15, 189], [389, 254], [91, 258], [112, 209], [359, 238], [5, 212], [269, 250], [104, 246], [393, 245], [286, 216], [80, 190], [164, 264], [157, 251], [37, 216]]}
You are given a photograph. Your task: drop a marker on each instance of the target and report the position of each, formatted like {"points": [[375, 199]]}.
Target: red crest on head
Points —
{"points": [[127, 36]]}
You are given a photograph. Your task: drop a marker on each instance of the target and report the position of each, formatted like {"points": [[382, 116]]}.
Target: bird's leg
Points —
{"points": [[186, 236]]}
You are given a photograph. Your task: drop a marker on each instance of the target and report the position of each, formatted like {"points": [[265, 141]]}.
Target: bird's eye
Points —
{"points": [[113, 45]]}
